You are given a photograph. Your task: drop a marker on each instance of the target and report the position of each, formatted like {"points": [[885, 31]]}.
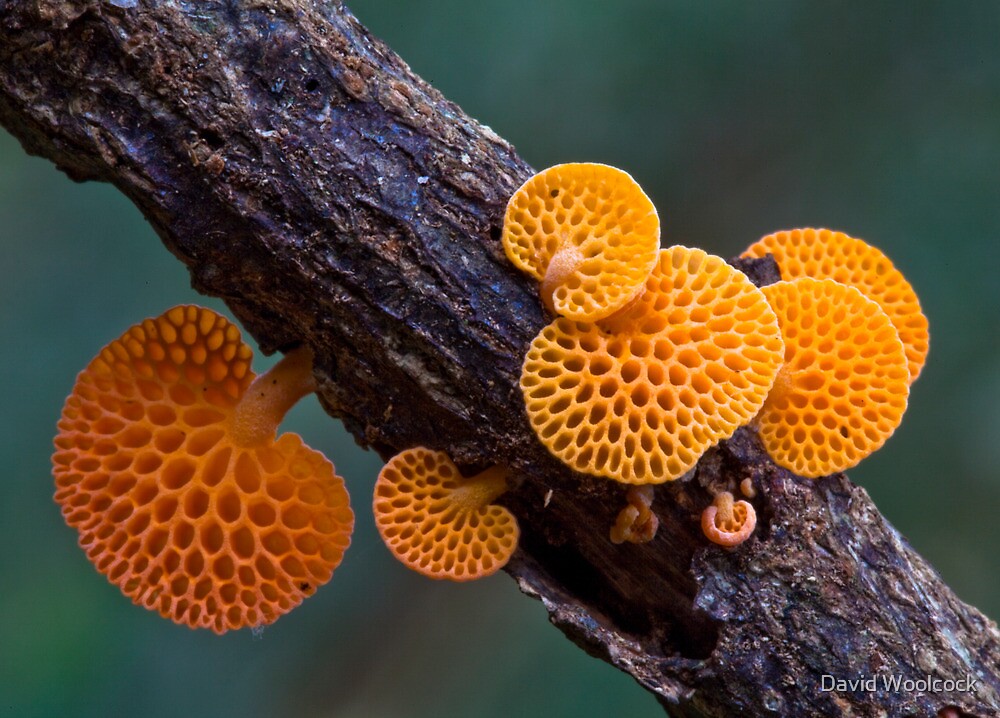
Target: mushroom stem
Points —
{"points": [[724, 510], [563, 263], [480, 490], [271, 395]]}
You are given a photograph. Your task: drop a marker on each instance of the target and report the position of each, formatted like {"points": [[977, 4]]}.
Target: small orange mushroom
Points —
{"points": [[167, 465], [588, 233], [726, 522], [439, 523], [824, 254], [844, 385], [640, 396], [636, 523]]}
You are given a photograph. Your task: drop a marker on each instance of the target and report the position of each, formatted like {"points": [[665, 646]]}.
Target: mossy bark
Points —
{"points": [[331, 197]]}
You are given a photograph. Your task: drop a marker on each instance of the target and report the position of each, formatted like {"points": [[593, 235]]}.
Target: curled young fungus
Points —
{"points": [[640, 396], [844, 385], [167, 464], [824, 254], [727, 522], [636, 523], [588, 233], [439, 523]]}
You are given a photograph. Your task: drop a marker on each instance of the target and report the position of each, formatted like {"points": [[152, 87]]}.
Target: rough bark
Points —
{"points": [[305, 175]]}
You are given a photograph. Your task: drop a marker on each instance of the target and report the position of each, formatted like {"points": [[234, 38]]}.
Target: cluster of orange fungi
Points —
{"points": [[651, 363], [168, 465]]}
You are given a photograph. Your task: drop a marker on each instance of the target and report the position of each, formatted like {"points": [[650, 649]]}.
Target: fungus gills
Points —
{"points": [[439, 523], [167, 465], [843, 388], [824, 254], [640, 396], [726, 522]]}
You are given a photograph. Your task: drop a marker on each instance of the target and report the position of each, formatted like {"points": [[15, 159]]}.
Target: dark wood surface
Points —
{"points": [[306, 176]]}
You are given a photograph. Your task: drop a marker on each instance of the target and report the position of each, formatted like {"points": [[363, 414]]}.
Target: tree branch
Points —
{"points": [[305, 175]]}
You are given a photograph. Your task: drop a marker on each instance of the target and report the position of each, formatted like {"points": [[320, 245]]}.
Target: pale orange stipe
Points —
{"points": [[439, 523], [191, 510], [639, 397], [824, 254], [588, 233]]}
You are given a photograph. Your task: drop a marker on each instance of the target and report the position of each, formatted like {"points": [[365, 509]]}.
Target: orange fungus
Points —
{"points": [[640, 396], [728, 523], [166, 463], [439, 523], [636, 523], [824, 254], [844, 385], [588, 233]]}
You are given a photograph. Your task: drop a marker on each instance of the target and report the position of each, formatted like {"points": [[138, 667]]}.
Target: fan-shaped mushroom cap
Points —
{"points": [[726, 522], [588, 233], [639, 397], [824, 254], [184, 520], [441, 524], [844, 386]]}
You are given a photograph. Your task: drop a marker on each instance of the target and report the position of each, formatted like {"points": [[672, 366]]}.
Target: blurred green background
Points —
{"points": [[880, 119]]}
